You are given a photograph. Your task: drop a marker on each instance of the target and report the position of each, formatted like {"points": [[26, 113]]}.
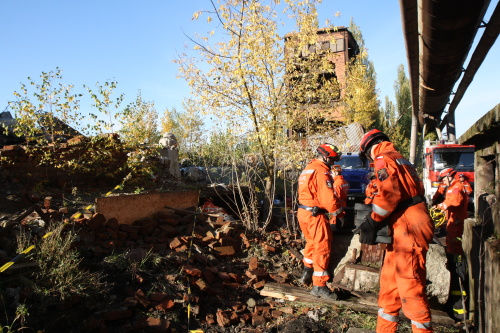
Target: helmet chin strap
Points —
{"points": [[327, 160], [368, 154], [369, 151]]}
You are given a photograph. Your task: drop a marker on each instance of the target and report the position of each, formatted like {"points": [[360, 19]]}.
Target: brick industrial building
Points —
{"points": [[307, 62]]}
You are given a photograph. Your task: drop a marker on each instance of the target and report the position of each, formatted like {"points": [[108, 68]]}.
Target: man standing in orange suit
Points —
{"points": [[318, 205], [400, 204]]}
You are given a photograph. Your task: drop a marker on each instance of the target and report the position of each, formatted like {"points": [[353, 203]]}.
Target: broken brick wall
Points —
{"points": [[17, 165]]}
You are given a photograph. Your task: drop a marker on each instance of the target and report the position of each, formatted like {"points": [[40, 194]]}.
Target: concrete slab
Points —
{"points": [[129, 208]]}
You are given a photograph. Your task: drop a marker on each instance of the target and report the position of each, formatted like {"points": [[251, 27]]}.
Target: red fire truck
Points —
{"points": [[439, 155]]}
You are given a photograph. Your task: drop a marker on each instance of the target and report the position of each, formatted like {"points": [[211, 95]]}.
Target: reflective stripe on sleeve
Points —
{"points": [[307, 260], [458, 293], [337, 212], [387, 316], [422, 326], [306, 172], [320, 273], [380, 211]]}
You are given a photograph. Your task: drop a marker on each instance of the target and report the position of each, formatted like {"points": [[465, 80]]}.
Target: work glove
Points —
{"points": [[441, 206], [333, 227], [368, 231]]}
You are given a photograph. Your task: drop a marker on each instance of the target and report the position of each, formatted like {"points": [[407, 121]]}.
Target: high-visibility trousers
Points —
{"points": [[316, 231], [403, 274], [454, 232]]}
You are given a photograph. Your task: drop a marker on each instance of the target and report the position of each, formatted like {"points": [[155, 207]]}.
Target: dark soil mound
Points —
{"points": [[304, 324]]}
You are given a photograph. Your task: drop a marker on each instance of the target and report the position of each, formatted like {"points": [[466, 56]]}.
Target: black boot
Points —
{"points": [[307, 275], [323, 292]]}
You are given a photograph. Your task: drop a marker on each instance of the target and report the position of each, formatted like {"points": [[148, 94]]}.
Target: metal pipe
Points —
{"points": [[489, 37], [414, 138], [409, 17], [447, 30]]}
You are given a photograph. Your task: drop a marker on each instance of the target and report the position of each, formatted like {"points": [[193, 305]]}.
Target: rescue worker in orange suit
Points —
{"points": [[317, 202], [400, 204], [341, 189], [455, 208], [371, 188]]}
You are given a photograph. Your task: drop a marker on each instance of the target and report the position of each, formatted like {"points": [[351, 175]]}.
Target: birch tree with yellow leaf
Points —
{"points": [[237, 75]]}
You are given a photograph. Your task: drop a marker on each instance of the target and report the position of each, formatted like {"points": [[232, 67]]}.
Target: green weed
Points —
{"points": [[60, 275]]}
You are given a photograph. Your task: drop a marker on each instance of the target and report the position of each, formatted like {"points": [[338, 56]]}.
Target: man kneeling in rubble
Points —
{"points": [[317, 207]]}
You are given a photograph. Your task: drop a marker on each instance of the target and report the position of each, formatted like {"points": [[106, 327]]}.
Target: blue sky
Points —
{"points": [[134, 44]]}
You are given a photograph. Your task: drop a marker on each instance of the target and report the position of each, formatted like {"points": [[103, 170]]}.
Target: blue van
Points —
{"points": [[355, 171]]}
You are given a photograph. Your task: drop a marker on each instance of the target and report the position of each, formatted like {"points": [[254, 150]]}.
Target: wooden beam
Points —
{"points": [[297, 294]]}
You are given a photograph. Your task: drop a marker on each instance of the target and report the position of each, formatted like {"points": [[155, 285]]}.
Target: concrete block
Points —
{"points": [[129, 208]]}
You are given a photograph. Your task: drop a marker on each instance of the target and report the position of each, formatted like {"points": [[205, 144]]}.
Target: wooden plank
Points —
{"points": [[18, 219], [297, 294]]}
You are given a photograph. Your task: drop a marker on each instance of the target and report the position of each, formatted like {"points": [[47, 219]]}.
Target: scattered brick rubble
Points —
{"points": [[214, 256]]}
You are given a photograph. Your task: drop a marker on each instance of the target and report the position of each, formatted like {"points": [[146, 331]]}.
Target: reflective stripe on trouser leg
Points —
{"points": [[387, 316], [322, 238], [304, 217], [399, 290], [422, 326], [402, 279], [386, 322], [318, 243], [308, 262]]}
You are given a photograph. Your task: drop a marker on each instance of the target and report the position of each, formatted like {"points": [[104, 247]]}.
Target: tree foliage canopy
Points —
{"points": [[361, 94], [139, 123], [39, 118], [187, 125], [397, 117], [239, 78]]}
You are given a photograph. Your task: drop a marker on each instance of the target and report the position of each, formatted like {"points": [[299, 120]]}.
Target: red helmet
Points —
{"points": [[328, 150], [446, 172], [369, 139]]}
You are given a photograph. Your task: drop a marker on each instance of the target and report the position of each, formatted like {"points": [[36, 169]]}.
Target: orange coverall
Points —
{"points": [[371, 191], [316, 190], [403, 274], [455, 205], [341, 189]]}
